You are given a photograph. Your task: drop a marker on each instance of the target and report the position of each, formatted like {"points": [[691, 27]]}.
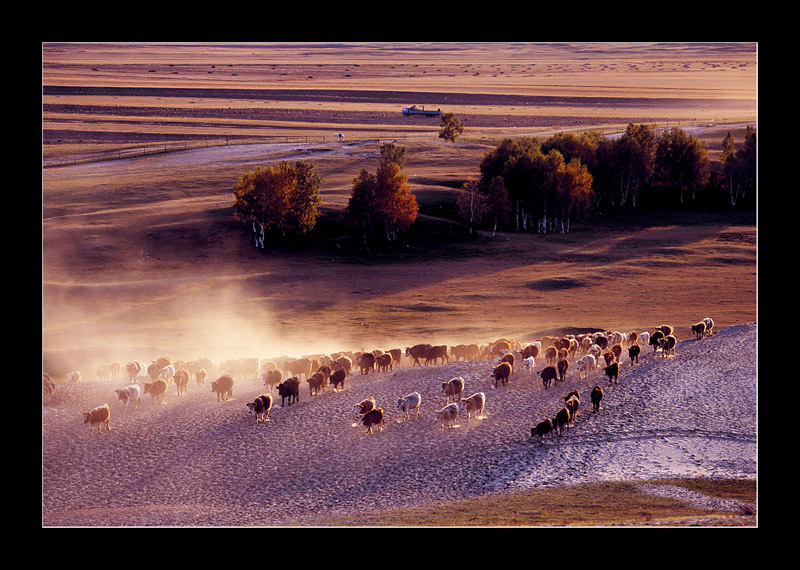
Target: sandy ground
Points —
{"points": [[199, 462]]}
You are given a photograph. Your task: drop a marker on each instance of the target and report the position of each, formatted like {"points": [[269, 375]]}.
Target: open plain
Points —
{"points": [[141, 258]]}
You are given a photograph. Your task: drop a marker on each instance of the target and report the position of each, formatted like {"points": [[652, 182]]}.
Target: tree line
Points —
{"points": [[524, 184]]}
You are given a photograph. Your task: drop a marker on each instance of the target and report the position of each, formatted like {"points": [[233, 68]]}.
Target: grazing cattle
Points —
{"points": [[452, 389], [596, 396], [74, 376], [418, 351], [130, 395], [548, 374], [290, 388], [586, 364], [447, 416], [616, 349], [397, 354], [260, 407], [181, 379], [157, 390], [709, 323], [366, 362], [508, 357], [561, 419], [474, 404], [644, 338], [371, 419], [562, 367], [337, 379], [699, 330], [409, 403], [532, 350], [384, 362], [167, 372], [364, 406], [316, 383], [100, 417], [612, 371], [436, 353], [541, 429], [668, 345], [200, 377], [223, 386], [609, 357], [299, 367], [633, 352], [502, 373]]}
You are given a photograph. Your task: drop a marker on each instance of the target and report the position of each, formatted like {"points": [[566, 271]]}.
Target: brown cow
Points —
{"points": [[223, 386], [418, 351], [372, 418], [452, 389], [261, 407], [181, 379], [315, 383], [562, 366], [157, 390], [633, 352], [100, 416], [435, 353], [612, 371], [548, 374], [364, 406], [385, 362], [502, 373], [543, 428], [366, 362], [596, 396], [289, 388], [561, 419], [338, 378]]}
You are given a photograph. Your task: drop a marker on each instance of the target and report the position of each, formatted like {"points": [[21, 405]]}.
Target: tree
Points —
{"points": [[395, 204], [393, 153], [499, 205], [451, 128], [682, 161], [359, 207], [282, 198], [636, 153], [739, 167], [472, 204], [575, 190]]}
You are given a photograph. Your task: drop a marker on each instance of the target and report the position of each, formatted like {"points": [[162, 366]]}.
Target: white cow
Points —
{"points": [[409, 403], [585, 364], [529, 363], [130, 395]]}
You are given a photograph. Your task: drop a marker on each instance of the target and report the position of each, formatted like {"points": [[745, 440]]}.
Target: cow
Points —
{"points": [[100, 417], [200, 377], [337, 378], [315, 383], [342, 363], [448, 415], [157, 390], [548, 374], [612, 371], [272, 378], [372, 418], [418, 351], [130, 395], [366, 362], [289, 388], [364, 406], [501, 373], [260, 407], [541, 429], [474, 405], [667, 345], [223, 386], [562, 366], [437, 353], [452, 389], [561, 419], [384, 362], [409, 403], [585, 364], [596, 396], [633, 352], [181, 379]]}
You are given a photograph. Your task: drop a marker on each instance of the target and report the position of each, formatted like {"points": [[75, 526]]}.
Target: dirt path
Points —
{"points": [[195, 461]]}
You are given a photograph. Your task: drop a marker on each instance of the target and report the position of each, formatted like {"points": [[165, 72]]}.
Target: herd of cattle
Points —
{"points": [[588, 351]]}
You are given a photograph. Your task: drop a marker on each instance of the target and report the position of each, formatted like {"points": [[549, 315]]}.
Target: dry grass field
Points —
{"points": [[141, 256]]}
